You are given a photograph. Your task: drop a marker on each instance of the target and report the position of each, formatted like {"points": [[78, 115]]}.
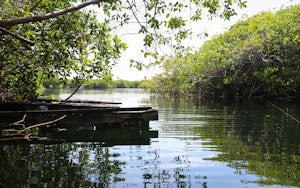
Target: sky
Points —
{"points": [[123, 70]]}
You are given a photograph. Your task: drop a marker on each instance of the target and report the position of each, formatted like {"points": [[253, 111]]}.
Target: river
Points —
{"points": [[201, 143]]}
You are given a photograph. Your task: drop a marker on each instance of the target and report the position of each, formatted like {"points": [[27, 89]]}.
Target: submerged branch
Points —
{"points": [[286, 113]]}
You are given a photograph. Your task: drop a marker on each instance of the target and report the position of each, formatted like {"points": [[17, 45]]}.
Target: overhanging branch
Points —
{"points": [[37, 18]]}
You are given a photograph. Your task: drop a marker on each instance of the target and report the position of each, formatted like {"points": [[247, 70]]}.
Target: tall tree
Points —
{"points": [[42, 39]]}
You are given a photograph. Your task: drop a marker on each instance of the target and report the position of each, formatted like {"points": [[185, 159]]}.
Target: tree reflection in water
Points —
{"points": [[264, 143], [90, 165], [63, 165], [252, 137]]}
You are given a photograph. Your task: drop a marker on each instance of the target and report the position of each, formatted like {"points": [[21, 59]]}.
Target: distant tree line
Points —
{"points": [[258, 57], [96, 84]]}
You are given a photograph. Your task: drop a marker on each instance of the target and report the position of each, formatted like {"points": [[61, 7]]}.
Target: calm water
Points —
{"points": [[200, 144]]}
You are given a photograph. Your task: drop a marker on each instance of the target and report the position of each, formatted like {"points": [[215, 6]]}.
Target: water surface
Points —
{"points": [[200, 144]]}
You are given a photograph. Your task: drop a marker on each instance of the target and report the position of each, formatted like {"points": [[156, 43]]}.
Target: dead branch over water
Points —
{"points": [[25, 133]]}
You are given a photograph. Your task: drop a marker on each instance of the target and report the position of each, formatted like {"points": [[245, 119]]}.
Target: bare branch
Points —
{"points": [[42, 124], [22, 39], [17, 123], [135, 16], [20, 122], [78, 87], [37, 18]]}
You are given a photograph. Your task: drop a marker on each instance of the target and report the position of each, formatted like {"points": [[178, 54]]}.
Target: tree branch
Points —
{"points": [[135, 16], [78, 87], [42, 124], [37, 18], [22, 39], [20, 121]]}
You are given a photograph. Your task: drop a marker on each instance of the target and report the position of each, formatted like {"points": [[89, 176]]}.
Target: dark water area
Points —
{"points": [[200, 144]]}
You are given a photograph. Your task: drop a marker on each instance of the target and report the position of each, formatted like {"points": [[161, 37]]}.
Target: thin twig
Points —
{"points": [[42, 124], [21, 121], [74, 91], [135, 16], [17, 123], [286, 113]]}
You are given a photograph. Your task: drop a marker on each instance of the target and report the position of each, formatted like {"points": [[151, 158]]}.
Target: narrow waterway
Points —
{"points": [[200, 144]]}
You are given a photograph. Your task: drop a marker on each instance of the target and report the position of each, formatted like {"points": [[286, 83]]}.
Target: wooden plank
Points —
{"points": [[82, 122], [134, 110], [148, 115], [77, 115], [83, 117], [77, 101], [50, 106]]}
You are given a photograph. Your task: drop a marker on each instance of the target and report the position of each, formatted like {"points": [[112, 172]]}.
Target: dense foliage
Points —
{"points": [[42, 39], [256, 57], [74, 45]]}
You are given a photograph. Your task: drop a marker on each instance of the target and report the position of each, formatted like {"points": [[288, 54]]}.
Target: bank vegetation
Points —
{"points": [[257, 57]]}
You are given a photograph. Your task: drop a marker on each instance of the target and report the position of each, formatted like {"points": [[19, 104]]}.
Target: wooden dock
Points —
{"points": [[74, 121]]}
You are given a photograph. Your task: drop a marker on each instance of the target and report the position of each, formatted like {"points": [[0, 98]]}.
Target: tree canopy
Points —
{"points": [[256, 57], [42, 39]]}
